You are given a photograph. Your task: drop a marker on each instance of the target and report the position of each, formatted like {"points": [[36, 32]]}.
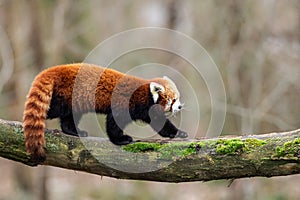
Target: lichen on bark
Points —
{"points": [[274, 154]]}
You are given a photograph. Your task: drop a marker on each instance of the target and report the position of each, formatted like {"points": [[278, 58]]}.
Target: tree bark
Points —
{"points": [[267, 155]]}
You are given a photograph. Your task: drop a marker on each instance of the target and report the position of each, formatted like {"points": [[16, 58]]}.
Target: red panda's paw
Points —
{"points": [[181, 134], [82, 133], [122, 140]]}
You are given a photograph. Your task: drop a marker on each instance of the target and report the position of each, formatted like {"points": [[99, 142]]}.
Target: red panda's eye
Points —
{"points": [[173, 101]]}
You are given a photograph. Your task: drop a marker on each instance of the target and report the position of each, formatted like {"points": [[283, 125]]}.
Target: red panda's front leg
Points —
{"points": [[115, 133], [169, 130], [163, 126]]}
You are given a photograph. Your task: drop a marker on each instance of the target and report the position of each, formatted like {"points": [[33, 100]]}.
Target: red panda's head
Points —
{"points": [[165, 93]]}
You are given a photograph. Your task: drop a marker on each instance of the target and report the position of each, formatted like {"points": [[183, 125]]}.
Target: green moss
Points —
{"points": [[167, 150], [291, 148], [142, 147], [52, 147], [230, 146], [233, 146], [183, 149], [17, 129], [253, 143], [178, 149]]}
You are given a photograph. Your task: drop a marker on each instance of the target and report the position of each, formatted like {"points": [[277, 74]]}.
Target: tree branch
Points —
{"points": [[275, 154]]}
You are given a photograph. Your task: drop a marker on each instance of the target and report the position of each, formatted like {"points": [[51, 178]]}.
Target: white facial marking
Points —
{"points": [[173, 106], [177, 106]]}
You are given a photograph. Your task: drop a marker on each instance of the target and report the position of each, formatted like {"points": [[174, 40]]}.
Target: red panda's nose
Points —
{"points": [[179, 107]]}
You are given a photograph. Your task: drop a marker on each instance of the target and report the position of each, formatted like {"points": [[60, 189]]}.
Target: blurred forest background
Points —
{"points": [[255, 44]]}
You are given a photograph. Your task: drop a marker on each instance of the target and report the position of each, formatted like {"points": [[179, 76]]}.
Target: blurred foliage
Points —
{"points": [[255, 44]]}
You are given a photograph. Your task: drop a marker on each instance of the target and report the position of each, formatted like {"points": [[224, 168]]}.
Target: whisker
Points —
{"points": [[186, 108], [171, 114]]}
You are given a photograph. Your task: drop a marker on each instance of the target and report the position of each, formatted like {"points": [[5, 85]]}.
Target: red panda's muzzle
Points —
{"points": [[175, 106]]}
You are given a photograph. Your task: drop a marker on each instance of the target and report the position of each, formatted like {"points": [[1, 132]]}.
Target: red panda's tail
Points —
{"points": [[35, 113]]}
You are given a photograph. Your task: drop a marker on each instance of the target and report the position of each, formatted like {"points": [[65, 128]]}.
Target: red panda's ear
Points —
{"points": [[155, 89]]}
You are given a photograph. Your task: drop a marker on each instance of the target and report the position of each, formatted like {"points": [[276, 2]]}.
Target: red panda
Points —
{"points": [[101, 90]]}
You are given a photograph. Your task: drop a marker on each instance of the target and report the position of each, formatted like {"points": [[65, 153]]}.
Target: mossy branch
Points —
{"points": [[275, 154]]}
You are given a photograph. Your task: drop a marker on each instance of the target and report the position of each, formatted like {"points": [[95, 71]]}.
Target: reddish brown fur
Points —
{"points": [[35, 112], [60, 80]]}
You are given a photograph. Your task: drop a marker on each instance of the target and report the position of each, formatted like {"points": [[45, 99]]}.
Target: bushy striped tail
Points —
{"points": [[35, 113]]}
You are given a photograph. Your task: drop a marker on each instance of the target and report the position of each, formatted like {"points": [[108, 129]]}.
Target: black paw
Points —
{"points": [[181, 134], [82, 133], [123, 140]]}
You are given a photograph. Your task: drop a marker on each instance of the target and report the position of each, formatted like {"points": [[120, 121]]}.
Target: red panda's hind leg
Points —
{"points": [[70, 127], [115, 133]]}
